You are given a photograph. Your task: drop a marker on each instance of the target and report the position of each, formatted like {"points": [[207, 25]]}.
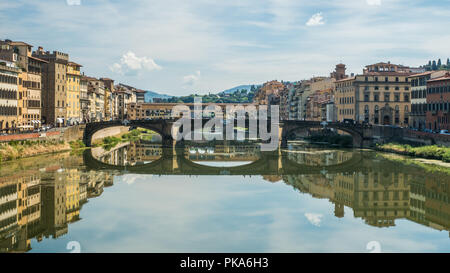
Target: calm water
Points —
{"points": [[138, 197]]}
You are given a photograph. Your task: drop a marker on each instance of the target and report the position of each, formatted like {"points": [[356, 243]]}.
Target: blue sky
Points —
{"points": [[182, 47]]}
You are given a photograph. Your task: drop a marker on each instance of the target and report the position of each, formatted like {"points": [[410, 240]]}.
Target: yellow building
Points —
{"points": [[381, 95], [72, 195], [73, 93]]}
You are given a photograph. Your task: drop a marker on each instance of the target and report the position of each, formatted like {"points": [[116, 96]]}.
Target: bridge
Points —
{"points": [[174, 161], [164, 128]]}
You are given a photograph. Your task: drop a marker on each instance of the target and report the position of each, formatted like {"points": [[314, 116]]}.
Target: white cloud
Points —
{"points": [[73, 2], [314, 218], [130, 63], [315, 20], [191, 79], [373, 2]]}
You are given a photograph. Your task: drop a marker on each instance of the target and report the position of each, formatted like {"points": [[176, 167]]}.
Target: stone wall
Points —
{"points": [[111, 131]]}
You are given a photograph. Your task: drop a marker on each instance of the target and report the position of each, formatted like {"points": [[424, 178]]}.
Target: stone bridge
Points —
{"points": [[164, 128]]}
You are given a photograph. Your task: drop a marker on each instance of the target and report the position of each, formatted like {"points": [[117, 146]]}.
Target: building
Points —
{"points": [[108, 103], [54, 81], [84, 100], [136, 111], [9, 86], [29, 89], [73, 93], [140, 95], [419, 97], [381, 95], [438, 101], [339, 72], [96, 96], [269, 93], [320, 105], [125, 96]]}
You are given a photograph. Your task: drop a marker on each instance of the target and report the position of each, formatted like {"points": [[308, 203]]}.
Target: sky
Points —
{"points": [[201, 46]]}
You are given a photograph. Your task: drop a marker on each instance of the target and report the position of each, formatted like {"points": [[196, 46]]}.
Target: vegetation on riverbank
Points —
{"points": [[136, 134], [21, 149], [428, 166], [429, 152]]}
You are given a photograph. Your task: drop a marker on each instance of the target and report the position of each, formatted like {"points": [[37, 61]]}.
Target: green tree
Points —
{"points": [[434, 65]]}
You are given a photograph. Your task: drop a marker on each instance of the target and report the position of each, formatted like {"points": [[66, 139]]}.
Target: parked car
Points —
{"points": [[349, 121], [444, 132]]}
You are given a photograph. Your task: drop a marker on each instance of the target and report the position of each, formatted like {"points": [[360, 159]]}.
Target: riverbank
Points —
{"points": [[23, 149], [425, 152], [137, 134]]}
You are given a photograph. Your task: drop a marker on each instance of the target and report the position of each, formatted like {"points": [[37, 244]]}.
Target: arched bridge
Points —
{"points": [[287, 127]]}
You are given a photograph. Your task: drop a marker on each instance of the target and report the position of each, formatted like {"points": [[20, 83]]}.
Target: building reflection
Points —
{"points": [[382, 193], [42, 203]]}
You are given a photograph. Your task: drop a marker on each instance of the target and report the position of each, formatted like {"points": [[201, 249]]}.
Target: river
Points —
{"points": [[138, 197]]}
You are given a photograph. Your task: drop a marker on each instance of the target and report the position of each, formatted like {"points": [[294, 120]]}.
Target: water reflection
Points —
{"points": [[39, 199]]}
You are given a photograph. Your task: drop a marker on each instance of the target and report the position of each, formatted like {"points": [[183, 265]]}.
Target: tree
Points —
{"points": [[434, 66]]}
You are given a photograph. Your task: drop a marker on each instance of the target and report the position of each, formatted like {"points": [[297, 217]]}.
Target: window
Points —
{"points": [[386, 97]]}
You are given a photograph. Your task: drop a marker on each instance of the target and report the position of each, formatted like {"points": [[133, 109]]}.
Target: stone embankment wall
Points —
{"points": [[111, 131]]}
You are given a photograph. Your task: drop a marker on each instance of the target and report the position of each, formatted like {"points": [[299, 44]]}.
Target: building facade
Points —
{"points": [[9, 86], [438, 101], [84, 100], [73, 93], [419, 97], [54, 80], [381, 95], [29, 89]]}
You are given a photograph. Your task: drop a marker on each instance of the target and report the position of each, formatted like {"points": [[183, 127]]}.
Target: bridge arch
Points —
{"points": [[162, 127], [356, 131]]}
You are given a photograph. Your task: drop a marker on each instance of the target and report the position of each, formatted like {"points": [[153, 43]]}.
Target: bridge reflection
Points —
{"points": [[150, 158]]}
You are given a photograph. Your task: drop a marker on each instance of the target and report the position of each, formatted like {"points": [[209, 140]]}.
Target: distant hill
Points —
{"points": [[240, 87], [150, 95]]}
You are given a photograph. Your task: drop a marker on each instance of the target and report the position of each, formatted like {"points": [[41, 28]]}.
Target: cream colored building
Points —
{"points": [[9, 87], [73, 93], [381, 95]]}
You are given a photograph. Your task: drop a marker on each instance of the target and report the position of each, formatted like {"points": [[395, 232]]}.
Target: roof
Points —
{"points": [[74, 64], [421, 74], [387, 73], [19, 43], [446, 77], [346, 79], [37, 59]]}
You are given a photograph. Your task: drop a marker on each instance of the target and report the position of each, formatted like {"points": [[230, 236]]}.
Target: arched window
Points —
{"points": [[397, 109]]}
